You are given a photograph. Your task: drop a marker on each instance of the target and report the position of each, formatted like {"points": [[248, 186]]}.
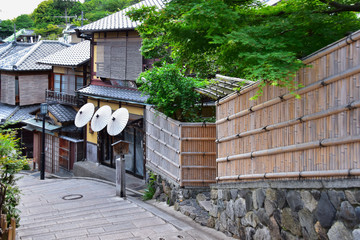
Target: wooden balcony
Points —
{"points": [[63, 98]]}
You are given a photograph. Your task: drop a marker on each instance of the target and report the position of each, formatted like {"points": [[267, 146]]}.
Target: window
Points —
{"points": [[79, 82], [57, 81], [64, 84], [67, 83], [16, 86]]}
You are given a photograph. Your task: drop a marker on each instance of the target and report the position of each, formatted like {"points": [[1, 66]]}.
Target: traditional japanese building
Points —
{"points": [[116, 62]]}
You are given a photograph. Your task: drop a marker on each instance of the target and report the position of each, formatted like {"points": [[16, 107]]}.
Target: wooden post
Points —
{"points": [[120, 177], [10, 233], [120, 148], [3, 222], [13, 225]]}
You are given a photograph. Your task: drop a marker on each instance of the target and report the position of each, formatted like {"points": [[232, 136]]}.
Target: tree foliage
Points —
{"points": [[6, 28], [241, 38], [11, 162], [24, 21], [171, 92], [96, 9]]}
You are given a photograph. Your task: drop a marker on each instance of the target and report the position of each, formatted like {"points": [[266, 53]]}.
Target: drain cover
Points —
{"points": [[72, 197]]}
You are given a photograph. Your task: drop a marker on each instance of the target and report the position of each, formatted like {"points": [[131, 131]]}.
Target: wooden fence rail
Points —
{"points": [[7, 232], [185, 153], [278, 136]]}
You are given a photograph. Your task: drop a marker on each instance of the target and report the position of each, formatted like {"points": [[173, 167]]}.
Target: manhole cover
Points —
{"points": [[72, 197]]}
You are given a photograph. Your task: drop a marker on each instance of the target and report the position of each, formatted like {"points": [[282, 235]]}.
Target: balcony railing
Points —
{"points": [[63, 98]]}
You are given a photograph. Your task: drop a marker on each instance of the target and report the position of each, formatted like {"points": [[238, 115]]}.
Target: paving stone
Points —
{"points": [[154, 221], [95, 230], [98, 215], [124, 235], [72, 233]]}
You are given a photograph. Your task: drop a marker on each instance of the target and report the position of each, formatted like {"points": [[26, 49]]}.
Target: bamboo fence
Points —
{"points": [[184, 153], [278, 136], [8, 232]]}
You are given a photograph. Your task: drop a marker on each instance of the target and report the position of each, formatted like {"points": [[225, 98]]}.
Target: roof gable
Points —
{"points": [[124, 94], [62, 113], [26, 59], [119, 20], [11, 48], [72, 56]]}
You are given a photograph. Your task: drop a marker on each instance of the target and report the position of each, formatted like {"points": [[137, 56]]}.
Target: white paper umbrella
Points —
{"points": [[83, 116], [118, 121], [101, 118]]}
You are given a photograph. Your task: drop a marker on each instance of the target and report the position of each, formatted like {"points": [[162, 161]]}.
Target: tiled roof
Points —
{"points": [[8, 62], [72, 56], [113, 93], [26, 59], [119, 20], [11, 48], [16, 113], [62, 113], [21, 32], [6, 111], [24, 113]]}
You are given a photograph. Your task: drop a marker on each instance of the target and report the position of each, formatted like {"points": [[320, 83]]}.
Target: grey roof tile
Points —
{"points": [[16, 113], [72, 56], [62, 113], [12, 47], [26, 59], [114, 93], [6, 111], [24, 113], [119, 20], [8, 62]]}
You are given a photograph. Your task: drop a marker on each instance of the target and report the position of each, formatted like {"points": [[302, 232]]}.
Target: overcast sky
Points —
{"points": [[10, 9]]}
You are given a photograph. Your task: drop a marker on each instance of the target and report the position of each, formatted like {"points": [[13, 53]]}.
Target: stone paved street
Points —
{"points": [[98, 214]]}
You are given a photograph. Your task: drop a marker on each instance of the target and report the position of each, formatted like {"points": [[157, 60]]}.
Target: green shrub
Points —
{"points": [[150, 189], [11, 162], [171, 92]]}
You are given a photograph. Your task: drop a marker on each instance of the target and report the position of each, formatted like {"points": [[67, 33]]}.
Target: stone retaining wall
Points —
{"points": [[287, 209], [302, 209]]}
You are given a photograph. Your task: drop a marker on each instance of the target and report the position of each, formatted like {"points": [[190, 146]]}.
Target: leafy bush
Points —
{"points": [[11, 162], [171, 92], [150, 190]]}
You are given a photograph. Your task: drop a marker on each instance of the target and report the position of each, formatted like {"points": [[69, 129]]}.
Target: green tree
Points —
{"points": [[171, 92], [24, 21], [243, 38], [6, 28], [45, 14], [96, 9], [11, 162], [50, 31]]}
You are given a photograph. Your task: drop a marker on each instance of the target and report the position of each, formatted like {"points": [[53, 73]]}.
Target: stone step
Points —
{"points": [[86, 206], [71, 230], [110, 212]]}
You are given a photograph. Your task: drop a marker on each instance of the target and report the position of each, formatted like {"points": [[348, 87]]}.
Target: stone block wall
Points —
{"points": [[300, 209], [287, 209]]}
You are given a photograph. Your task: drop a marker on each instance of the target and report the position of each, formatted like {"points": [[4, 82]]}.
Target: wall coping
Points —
{"points": [[291, 184]]}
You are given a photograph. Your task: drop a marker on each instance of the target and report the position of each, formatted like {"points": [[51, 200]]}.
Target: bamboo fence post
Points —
{"points": [[3, 223], [13, 225], [10, 233]]}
